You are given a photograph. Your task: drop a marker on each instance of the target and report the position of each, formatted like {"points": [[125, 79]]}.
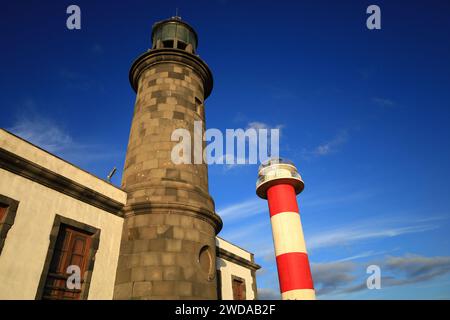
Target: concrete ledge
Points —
{"points": [[27, 160], [171, 55], [229, 256]]}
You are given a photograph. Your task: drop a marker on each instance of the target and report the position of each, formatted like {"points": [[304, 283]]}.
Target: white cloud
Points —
{"points": [[365, 254], [43, 133], [50, 136], [331, 276], [244, 209], [416, 267], [364, 230], [332, 145], [340, 277], [349, 233], [328, 147], [239, 233], [247, 220]]}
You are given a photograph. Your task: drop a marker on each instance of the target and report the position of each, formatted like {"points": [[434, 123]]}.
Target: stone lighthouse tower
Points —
{"points": [[168, 246]]}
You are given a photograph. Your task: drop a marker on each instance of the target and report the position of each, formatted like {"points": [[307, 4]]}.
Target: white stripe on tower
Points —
{"points": [[284, 226]]}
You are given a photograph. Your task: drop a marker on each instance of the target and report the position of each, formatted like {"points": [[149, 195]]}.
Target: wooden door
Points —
{"points": [[72, 248], [238, 289]]}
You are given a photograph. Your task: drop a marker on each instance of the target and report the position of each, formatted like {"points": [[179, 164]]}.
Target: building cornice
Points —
{"points": [[32, 171], [171, 55], [229, 256]]}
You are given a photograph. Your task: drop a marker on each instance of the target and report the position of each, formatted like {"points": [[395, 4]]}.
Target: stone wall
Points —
{"points": [[168, 243]]}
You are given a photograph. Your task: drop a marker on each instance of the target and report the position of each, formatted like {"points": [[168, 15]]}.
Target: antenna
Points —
{"points": [[176, 14], [111, 174]]}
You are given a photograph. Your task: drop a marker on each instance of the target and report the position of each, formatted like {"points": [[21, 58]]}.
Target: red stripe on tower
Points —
{"points": [[289, 266], [282, 198]]}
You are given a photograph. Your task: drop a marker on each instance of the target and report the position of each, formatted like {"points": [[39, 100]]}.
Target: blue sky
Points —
{"points": [[363, 114]]}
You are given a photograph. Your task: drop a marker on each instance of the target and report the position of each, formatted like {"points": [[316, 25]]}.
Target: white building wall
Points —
{"points": [[27, 242], [25, 250], [228, 269]]}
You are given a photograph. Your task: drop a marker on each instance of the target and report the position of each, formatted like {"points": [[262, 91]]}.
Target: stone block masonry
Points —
{"points": [[168, 248]]}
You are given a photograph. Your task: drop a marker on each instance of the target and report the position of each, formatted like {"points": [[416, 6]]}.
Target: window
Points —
{"points": [[8, 208], [181, 45], [238, 286], [3, 209], [168, 44], [199, 107], [71, 249], [75, 244]]}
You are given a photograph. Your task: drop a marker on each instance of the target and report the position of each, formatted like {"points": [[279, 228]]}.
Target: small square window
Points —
{"points": [[168, 44], [199, 106], [181, 45]]}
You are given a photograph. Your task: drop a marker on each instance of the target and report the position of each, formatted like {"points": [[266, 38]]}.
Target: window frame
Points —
{"points": [[9, 218], [86, 281], [244, 287]]}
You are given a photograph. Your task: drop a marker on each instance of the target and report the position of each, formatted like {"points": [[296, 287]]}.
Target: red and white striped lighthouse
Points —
{"points": [[279, 182]]}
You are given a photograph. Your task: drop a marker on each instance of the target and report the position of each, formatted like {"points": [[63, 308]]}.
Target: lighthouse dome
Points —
{"points": [[174, 33]]}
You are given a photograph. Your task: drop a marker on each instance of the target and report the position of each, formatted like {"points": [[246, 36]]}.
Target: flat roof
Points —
{"points": [[27, 150]]}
